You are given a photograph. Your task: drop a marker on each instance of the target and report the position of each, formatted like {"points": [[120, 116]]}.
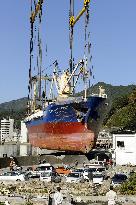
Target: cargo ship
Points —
{"points": [[67, 123], [68, 126], [64, 121]]}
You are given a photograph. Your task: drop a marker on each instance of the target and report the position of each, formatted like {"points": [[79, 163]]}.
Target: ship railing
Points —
{"points": [[35, 115], [98, 95]]}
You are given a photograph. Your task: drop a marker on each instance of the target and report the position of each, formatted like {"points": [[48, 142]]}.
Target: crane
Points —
{"points": [[73, 19], [37, 9]]}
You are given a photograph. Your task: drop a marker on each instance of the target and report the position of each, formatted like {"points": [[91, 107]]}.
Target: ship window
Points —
{"points": [[120, 144]]}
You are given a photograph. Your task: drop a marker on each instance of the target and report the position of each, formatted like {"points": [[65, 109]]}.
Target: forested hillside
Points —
{"points": [[15, 109], [123, 112]]}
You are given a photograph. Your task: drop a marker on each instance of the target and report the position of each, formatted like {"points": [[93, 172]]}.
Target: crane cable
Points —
{"points": [[40, 52], [88, 42], [71, 34], [85, 33], [30, 63], [71, 11], [39, 57]]}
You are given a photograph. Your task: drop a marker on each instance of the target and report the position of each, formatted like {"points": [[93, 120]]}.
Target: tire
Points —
{"points": [[82, 181], [18, 180]]}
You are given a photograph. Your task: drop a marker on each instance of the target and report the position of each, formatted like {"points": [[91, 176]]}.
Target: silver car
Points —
{"points": [[75, 177]]}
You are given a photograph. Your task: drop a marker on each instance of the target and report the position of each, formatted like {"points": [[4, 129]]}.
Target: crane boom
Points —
{"points": [[37, 9], [73, 20]]}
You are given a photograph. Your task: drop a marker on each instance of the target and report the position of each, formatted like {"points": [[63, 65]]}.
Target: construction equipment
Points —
{"points": [[37, 10], [73, 19]]}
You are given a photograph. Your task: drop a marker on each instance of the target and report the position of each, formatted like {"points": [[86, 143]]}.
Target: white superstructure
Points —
{"points": [[7, 130]]}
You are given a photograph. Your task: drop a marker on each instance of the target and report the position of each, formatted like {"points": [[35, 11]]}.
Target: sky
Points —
{"points": [[113, 38]]}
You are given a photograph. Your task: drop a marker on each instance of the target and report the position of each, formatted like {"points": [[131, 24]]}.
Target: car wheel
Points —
{"points": [[18, 180], [82, 181]]}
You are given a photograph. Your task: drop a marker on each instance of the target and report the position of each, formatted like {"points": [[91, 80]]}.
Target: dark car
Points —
{"points": [[118, 179]]}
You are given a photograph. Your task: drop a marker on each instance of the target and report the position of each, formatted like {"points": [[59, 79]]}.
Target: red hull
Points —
{"points": [[62, 136]]}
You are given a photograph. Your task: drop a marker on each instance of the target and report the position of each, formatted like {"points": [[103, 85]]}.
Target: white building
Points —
{"points": [[23, 137], [7, 130], [124, 146]]}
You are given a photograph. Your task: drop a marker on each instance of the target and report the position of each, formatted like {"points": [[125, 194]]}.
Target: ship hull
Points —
{"points": [[68, 127], [64, 136]]}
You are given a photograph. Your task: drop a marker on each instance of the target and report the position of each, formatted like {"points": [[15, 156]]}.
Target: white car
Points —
{"points": [[74, 177], [12, 176], [97, 178], [42, 168], [50, 176], [84, 172]]}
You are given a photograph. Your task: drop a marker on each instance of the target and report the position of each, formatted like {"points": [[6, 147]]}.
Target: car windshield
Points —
{"points": [[6, 174], [101, 169], [44, 168], [79, 170], [10, 174], [14, 173], [45, 174], [76, 175], [97, 176], [60, 168], [120, 177], [92, 170]]}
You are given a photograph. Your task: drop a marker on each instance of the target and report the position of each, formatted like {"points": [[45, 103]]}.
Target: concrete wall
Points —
{"points": [[8, 150], [33, 160], [14, 149], [29, 160], [25, 149]]}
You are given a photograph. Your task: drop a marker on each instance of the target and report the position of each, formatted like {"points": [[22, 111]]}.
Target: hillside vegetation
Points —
{"points": [[121, 99], [15, 109], [129, 187], [123, 112]]}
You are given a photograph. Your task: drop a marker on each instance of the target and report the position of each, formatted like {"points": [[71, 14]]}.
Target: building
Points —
{"points": [[124, 149], [23, 137], [104, 140], [16, 135], [12, 141], [7, 130]]}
